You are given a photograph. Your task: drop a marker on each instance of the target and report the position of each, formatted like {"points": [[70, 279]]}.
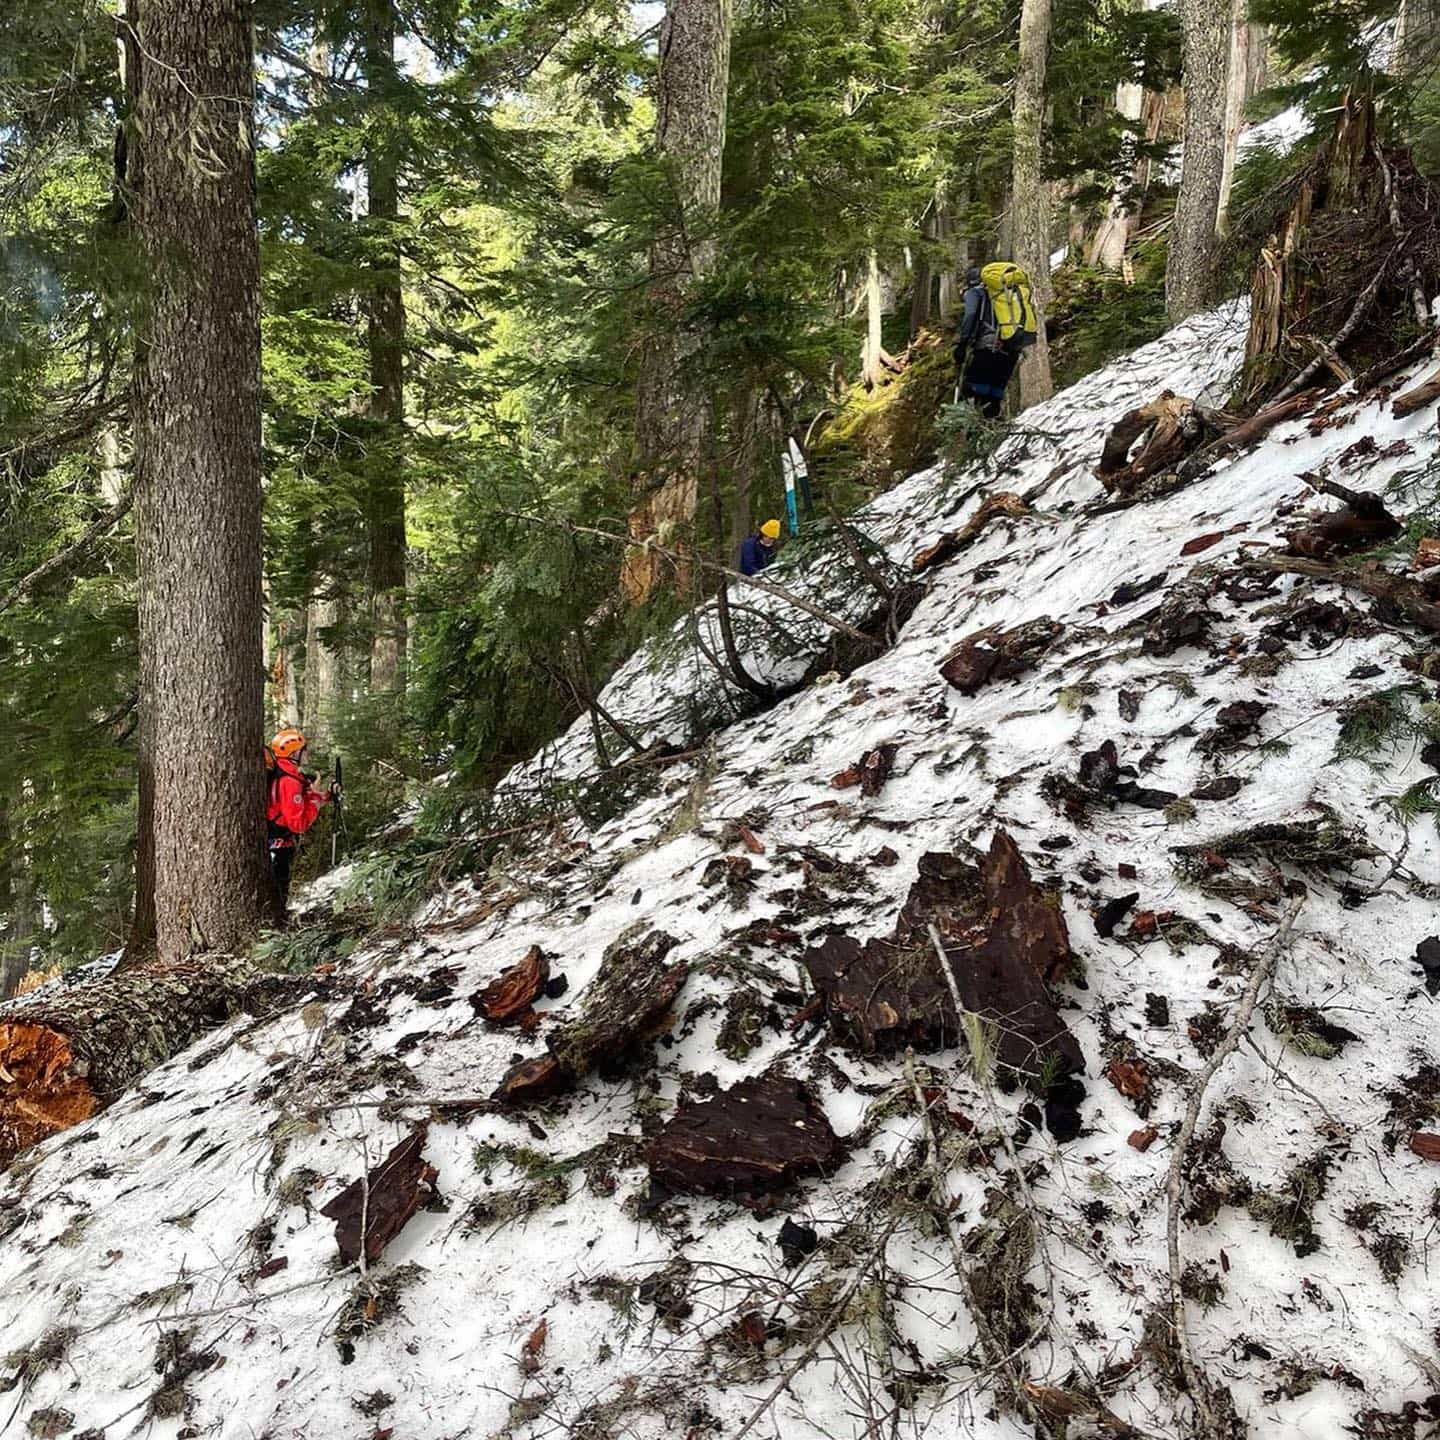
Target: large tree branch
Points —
{"points": [[107, 521]]}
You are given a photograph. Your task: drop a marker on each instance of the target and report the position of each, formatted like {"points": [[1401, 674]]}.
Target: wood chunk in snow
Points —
{"points": [[1142, 1140], [507, 999], [1362, 523], [758, 1137], [950, 544], [384, 1201], [1418, 397], [66, 1053], [1425, 1145], [1004, 938], [870, 772], [621, 1007], [1165, 429], [994, 654]]}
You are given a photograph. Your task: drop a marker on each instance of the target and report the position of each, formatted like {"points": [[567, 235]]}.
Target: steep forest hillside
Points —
{"points": [[1152, 769]]}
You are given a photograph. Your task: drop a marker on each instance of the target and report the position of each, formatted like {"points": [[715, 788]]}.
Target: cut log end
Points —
{"points": [[43, 1088]]}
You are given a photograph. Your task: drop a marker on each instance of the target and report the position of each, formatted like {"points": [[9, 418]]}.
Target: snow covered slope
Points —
{"points": [[142, 1288]]}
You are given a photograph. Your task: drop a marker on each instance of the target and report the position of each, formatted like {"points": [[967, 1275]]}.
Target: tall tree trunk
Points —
{"points": [[322, 672], [386, 334], [1192, 263], [670, 401], [952, 235], [1107, 249], [872, 359], [1030, 204], [141, 940], [17, 908], [1245, 79], [198, 475], [922, 279]]}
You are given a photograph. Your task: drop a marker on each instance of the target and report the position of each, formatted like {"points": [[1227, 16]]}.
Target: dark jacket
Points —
{"points": [[976, 322], [754, 556]]}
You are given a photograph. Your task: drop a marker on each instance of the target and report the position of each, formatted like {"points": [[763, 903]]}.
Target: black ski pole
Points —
{"points": [[337, 799]]}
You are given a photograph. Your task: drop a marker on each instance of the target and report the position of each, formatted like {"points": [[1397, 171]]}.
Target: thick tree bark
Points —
{"points": [[17, 908], [670, 401], [198, 475], [1190, 271], [67, 1054], [386, 337], [1030, 203]]}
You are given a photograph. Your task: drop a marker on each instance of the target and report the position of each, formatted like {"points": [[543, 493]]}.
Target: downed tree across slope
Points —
{"points": [[65, 1055]]}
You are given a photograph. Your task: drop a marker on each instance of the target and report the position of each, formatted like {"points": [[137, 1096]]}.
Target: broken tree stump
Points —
{"points": [[619, 1009], [952, 542], [758, 1137], [66, 1054], [382, 1203], [993, 654], [1165, 429]]}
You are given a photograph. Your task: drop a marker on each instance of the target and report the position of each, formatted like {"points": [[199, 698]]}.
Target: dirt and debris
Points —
{"points": [[384, 1201], [1361, 523], [751, 1140], [993, 654], [1004, 939], [1234, 724]]}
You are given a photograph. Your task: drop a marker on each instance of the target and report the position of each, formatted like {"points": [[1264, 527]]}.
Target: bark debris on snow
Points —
{"points": [[750, 1141], [176, 1203], [370, 1212]]}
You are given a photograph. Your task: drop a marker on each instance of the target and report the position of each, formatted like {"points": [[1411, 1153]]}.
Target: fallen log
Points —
{"points": [[1246, 433], [1411, 599], [66, 1054], [950, 544], [1384, 369], [619, 1009], [1418, 397]]}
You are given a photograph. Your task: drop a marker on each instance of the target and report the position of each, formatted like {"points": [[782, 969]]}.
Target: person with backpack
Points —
{"points": [[997, 325], [292, 805], [758, 550]]}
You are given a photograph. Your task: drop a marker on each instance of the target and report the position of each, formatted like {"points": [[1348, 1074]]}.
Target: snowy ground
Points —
{"points": [[166, 1216]]}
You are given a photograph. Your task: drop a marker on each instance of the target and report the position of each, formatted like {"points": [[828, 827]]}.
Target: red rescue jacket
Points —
{"points": [[293, 803]]}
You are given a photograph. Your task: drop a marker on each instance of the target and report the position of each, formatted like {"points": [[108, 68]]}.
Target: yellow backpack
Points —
{"points": [[1008, 287]]}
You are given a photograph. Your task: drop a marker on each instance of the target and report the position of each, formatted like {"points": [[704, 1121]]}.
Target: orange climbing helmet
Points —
{"points": [[288, 743]]}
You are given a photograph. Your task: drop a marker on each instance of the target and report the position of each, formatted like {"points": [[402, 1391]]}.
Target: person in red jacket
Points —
{"points": [[292, 805]]}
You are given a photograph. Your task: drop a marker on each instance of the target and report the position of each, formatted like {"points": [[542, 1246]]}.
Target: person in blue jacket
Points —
{"points": [[758, 550]]}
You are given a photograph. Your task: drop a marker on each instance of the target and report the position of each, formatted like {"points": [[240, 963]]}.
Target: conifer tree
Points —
{"points": [[198, 473], [670, 406]]}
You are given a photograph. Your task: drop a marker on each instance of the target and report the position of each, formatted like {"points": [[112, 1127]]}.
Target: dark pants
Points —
{"points": [[986, 377], [282, 861]]}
